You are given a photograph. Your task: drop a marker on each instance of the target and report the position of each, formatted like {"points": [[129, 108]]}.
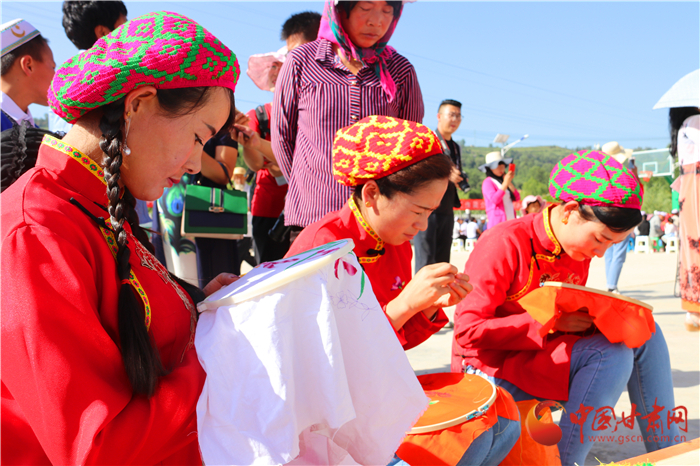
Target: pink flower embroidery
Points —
{"points": [[349, 268]]}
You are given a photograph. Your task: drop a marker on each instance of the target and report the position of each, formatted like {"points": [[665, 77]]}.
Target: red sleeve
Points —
{"points": [[419, 328], [66, 372], [492, 268]]}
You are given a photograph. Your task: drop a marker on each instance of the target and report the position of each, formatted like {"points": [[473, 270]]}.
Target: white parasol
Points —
{"points": [[685, 93]]}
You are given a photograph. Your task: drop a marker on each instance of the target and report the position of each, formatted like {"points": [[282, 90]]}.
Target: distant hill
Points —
{"points": [[533, 166]]}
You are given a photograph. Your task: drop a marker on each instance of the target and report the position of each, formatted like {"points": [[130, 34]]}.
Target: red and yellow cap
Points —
{"points": [[378, 146]]}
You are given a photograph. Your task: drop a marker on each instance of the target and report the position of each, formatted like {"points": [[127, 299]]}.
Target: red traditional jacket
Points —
{"points": [[492, 331], [66, 398], [388, 273]]}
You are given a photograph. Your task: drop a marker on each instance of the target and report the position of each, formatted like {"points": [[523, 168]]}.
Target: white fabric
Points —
{"points": [[689, 141], [471, 230], [12, 109], [456, 230], [316, 358]]}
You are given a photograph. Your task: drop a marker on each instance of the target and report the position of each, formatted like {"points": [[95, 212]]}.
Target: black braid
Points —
{"points": [[140, 356], [194, 292], [20, 155]]}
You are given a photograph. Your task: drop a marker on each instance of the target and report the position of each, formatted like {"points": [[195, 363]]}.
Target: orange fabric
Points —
{"points": [[690, 306], [526, 451], [618, 320], [446, 447]]}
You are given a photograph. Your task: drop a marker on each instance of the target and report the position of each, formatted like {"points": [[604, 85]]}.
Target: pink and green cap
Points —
{"points": [[160, 49], [596, 179]]}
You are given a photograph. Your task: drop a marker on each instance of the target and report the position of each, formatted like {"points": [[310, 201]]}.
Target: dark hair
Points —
{"points": [[676, 117], [34, 48], [306, 23], [348, 6], [20, 147], [140, 356], [80, 18], [413, 177], [450, 102], [618, 219]]}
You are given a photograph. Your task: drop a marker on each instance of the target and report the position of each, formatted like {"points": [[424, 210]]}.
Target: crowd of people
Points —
{"points": [[99, 314]]}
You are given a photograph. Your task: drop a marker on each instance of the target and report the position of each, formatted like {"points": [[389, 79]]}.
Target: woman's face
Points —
{"points": [[532, 208], [164, 148], [367, 22], [274, 73], [398, 219], [500, 170], [584, 239]]}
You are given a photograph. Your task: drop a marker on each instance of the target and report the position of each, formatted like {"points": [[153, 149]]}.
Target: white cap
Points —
{"points": [[16, 33]]}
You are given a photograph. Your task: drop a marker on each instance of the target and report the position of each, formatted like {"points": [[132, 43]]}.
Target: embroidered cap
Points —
{"points": [[16, 33], [378, 146], [160, 49], [596, 179]]}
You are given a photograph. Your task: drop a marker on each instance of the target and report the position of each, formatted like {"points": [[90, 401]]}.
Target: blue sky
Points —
{"points": [[566, 73]]}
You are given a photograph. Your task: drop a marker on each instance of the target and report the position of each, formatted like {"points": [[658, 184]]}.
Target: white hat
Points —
{"points": [[493, 159], [260, 66], [618, 152], [16, 33]]}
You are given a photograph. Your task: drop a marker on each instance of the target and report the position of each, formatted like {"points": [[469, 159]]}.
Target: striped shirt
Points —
{"points": [[315, 96]]}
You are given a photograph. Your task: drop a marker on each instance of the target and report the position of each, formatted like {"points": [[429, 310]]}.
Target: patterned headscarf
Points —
{"points": [[376, 56], [595, 179], [161, 49], [378, 146]]}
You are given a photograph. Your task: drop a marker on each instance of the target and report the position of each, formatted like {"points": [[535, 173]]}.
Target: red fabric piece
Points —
{"points": [[388, 275], [268, 197], [492, 331], [66, 398]]}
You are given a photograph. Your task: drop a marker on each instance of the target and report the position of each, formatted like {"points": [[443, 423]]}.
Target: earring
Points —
{"points": [[368, 204], [565, 220], [126, 149]]}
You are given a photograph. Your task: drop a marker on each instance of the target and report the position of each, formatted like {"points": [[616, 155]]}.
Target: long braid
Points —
{"points": [[20, 151], [140, 357], [194, 292]]}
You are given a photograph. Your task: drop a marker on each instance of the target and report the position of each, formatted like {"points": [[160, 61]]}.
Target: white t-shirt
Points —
{"points": [[689, 141], [471, 230]]}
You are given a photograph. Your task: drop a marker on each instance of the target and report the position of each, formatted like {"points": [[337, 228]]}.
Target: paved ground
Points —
{"points": [[648, 278]]}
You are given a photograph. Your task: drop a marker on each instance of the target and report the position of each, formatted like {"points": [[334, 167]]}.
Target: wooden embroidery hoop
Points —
{"points": [[469, 395], [269, 276]]}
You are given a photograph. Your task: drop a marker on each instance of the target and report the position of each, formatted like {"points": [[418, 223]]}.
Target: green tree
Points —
{"points": [[657, 195]]}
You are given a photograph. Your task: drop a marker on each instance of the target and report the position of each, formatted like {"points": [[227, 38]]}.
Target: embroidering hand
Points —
{"points": [[219, 282], [434, 286], [574, 321]]}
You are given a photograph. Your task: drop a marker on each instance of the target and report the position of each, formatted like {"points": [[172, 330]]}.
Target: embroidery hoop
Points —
{"points": [[269, 276], [601, 292], [470, 395]]}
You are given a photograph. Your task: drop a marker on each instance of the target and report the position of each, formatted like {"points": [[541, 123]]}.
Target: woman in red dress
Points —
{"points": [[97, 355], [399, 176]]}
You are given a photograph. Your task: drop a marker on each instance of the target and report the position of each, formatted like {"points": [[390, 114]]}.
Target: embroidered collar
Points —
{"points": [[74, 154], [378, 250], [546, 218]]}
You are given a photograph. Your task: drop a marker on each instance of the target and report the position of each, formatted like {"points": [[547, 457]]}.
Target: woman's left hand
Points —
{"points": [[219, 282], [459, 289]]}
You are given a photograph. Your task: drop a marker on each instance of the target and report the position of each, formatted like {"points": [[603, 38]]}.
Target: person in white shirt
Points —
{"points": [[472, 229]]}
